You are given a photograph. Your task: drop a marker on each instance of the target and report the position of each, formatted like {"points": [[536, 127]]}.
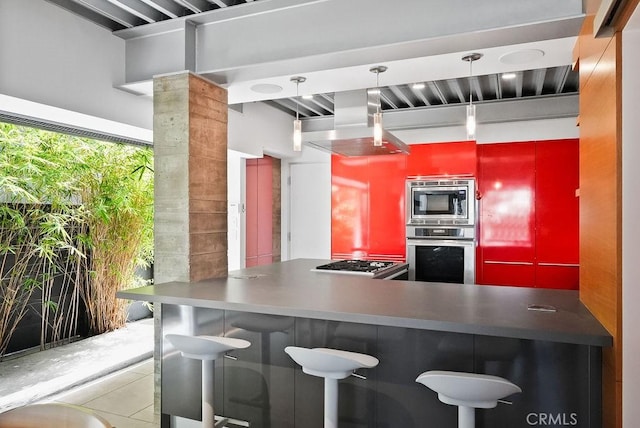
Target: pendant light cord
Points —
{"points": [[378, 90], [297, 98], [471, 82]]}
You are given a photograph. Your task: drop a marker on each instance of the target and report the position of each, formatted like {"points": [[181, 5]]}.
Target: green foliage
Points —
{"points": [[74, 209]]}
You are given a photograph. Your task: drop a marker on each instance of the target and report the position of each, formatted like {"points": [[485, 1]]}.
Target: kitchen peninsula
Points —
{"points": [[411, 327]]}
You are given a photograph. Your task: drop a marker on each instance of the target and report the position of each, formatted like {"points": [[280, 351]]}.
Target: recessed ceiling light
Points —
{"points": [[521, 57], [418, 86], [508, 76], [307, 97], [266, 88]]}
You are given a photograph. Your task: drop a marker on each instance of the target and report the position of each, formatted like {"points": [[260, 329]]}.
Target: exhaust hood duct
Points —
{"points": [[353, 129]]}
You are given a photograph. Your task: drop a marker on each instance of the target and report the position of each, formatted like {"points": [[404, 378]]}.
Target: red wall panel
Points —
{"points": [[557, 207], [349, 207], [529, 220], [519, 275], [368, 196], [457, 158], [387, 207], [564, 277], [506, 187]]}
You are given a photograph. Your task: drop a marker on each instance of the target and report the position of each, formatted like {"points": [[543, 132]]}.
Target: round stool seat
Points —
{"points": [[205, 347], [468, 389], [52, 415], [330, 363]]}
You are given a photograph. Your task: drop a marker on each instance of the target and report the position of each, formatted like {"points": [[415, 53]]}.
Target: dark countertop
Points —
{"points": [[291, 289]]}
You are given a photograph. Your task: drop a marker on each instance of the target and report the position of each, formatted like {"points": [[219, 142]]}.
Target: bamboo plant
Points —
{"points": [[75, 212]]}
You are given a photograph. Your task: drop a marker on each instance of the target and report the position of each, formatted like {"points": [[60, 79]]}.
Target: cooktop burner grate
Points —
{"points": [[368, 266]]}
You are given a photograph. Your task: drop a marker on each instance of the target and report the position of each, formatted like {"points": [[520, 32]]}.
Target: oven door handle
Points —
{"points": [[413, 242]]}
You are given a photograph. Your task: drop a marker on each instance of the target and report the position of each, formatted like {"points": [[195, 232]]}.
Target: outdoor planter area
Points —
{"points": [[76, 226]]}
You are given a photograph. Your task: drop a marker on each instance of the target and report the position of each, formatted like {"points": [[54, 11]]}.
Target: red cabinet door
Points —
{"points": [[349, 207], [506, 232], [458, 158], [387, 207], [265, 210], [557, 214], [259, 222], [251, 216]]}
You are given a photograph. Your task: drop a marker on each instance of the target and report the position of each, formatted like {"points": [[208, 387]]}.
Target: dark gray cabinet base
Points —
{"points": [[560, 382]]}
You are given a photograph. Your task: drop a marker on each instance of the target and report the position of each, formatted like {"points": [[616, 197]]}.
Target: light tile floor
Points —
{"points": [[124, 398]]}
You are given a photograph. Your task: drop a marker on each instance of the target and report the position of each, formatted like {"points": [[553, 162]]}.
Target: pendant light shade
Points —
{"points": [[297, 135], [377, 129], [377, 116], [297, 123], [471, 109], [471, 122]]}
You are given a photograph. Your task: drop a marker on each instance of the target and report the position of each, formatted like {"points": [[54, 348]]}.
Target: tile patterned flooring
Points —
{"points": [[124, 398]]}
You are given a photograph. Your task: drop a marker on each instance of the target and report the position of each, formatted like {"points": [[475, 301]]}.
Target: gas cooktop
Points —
{"points": [[370, 268]]}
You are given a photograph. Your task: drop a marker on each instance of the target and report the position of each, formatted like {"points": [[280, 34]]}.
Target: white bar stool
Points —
{"points": [[207, 349], [468, 391], [330, 364]]}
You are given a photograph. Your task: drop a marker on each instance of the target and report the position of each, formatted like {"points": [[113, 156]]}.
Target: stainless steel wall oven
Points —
{"points": [[441, 218], [441, 254]]}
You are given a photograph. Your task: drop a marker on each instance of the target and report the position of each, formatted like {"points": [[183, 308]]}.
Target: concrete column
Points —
{"points": [[190, 161], [190, 150]]}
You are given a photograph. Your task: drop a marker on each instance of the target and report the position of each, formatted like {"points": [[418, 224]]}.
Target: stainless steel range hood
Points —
{"points": [[353, 129]]}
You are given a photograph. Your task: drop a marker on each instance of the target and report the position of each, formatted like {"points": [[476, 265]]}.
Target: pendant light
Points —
{"points": [[471, 109], [377, 116], [297, 124]]}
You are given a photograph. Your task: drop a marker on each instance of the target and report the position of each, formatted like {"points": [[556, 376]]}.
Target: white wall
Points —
{"points": [[630, 223], [261, 129], [52, 57], [236, 200], [309, 157]]}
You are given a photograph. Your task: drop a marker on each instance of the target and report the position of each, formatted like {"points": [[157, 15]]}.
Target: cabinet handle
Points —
{"points": [[560, 264], [493, 262]]}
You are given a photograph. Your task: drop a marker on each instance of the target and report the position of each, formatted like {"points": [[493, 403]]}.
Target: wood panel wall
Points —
{"points": [[190, 152], [599, 61]]}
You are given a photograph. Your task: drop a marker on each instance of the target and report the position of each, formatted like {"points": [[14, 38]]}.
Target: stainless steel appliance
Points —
{"points": [[371, 268], [441, 254], [441, 201]]}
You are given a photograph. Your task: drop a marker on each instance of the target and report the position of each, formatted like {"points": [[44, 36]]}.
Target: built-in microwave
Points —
{"points": [[441, 201]]}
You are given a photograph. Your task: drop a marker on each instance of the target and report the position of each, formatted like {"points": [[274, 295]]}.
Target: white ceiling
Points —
{"points": [[334, 43]]}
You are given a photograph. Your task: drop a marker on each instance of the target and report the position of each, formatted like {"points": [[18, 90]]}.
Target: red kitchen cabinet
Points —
{"points": [[557, 214], [367, 207], [528, 214], [506, 232], [457, 158]]}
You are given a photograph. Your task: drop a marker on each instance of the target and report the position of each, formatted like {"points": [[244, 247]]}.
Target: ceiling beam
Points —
{"points": [[167, 7], [546, 107], [139, 9], [538, 80], [227, 56], [401, 95], [112, 12], [89, 13]]}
